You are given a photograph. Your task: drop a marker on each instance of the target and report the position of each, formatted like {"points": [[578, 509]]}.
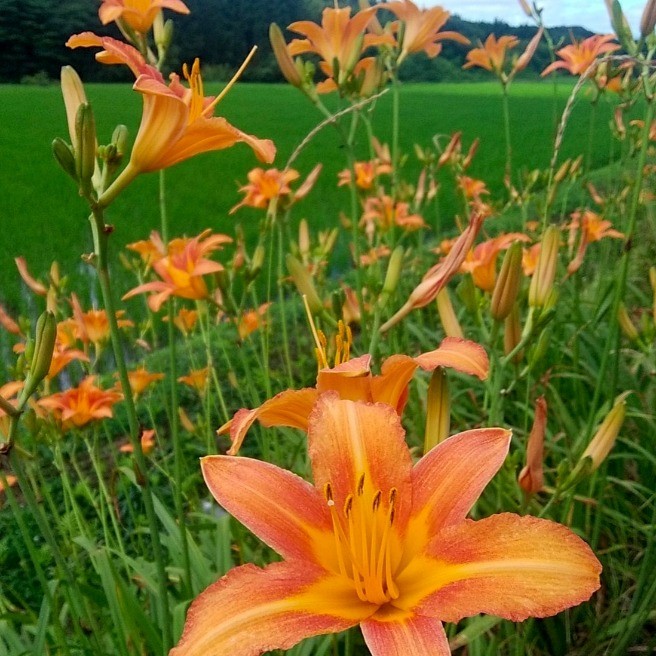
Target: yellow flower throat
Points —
{"points": [[363, 535]]}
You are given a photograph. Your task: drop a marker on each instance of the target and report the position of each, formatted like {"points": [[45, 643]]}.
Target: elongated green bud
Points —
{"points": [[303, 281], [508, 282], [44, 345], [65, 158], [448, 317], [392, 276], [648, 20], [626, 325], [85, 155], [545, 271], [438, 410], [604, 439]]}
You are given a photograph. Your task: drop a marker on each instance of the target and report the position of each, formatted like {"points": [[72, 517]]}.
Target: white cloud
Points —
{"points": [[591, 14]]}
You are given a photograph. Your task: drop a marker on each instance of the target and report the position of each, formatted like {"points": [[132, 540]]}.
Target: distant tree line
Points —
{"points": [[219, 32]]}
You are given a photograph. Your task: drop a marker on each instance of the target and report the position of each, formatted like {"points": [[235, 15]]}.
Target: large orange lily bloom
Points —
{"points": [[379, 542], [580, 55], [182, 270], [352, 379], [491, 55], [422, 28], [138, 14], [177, 122]]}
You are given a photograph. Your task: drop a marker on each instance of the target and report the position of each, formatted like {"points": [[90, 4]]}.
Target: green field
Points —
{"points": [[42, 218]]}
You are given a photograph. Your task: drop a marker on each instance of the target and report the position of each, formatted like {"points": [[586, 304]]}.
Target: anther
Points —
{"points": [[376, 502], [360, 487], [348, 505], [328, 493]]}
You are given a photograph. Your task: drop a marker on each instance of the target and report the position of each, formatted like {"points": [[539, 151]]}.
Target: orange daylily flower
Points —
{"points": [[580, 55], [492, 55], [530, 258], [421, 28], [339, 41], [148, 443], [8, 323], [197, 378], [481, 261], [185, 321], [182, 270], [11, 481], [592, 228], [93, 325], [177, 122], [138, 14], [252, 320], [385, 212], [366, 174], [140, 379], [265, 187], [78, 406], [353, 379], [379, 542]]}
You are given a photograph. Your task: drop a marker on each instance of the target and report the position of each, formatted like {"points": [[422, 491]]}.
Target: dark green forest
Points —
{"points": [[220, 32]]}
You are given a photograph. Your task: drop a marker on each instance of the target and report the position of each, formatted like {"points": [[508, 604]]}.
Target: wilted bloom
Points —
{"points": [[353, 379], [439, 275], [379, 542], [266, 186], [182, 270], [138, 14], [580, 55], [78, 406], [531, 478], [421, 28], [177, 122], [148, 443], [197, 378]]}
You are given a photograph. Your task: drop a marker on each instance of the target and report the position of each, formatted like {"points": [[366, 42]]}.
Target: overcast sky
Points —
{"points": [[587, 13]]}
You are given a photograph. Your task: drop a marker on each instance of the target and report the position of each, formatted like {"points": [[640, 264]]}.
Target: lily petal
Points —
{"points": [[459, 354], [355, 445], [252, 610], [415, 636], [279, 507], [448, 480], [510, 566], [289, 408]]}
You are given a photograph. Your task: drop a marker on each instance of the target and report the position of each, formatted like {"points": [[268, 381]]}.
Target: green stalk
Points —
{"points": [[506, 128], [101, 232], [283, 308], [612, 343]]}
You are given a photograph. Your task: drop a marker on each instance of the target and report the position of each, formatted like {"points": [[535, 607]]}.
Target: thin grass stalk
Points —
{"points": [[283, 305], [100, 233], [506, 130]]}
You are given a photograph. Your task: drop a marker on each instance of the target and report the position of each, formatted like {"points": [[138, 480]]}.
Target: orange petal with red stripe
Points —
{"points": [[415, 636]]}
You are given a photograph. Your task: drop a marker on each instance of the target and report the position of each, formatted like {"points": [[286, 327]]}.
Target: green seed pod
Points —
{"points": [[65, 158]]}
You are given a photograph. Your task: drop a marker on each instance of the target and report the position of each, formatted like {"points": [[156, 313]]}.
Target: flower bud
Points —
{"points": [[85, 153], [392, 276], [256, 262], [74, 96], [648, 20], [438, 411], [545, 271], [508, 282], [448, 317], [44, 345], [526, 8], [562, 171], [604, 439], [626, 325], [303, 281], [531, 478], [304, 239], [65, 157], [539, 350], [285, 61]]}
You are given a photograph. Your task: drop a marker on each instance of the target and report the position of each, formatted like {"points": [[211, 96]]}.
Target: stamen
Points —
{"points": [[320, 350], [360, 487], [210, 108]]}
